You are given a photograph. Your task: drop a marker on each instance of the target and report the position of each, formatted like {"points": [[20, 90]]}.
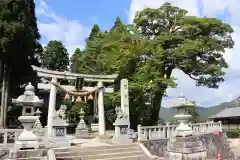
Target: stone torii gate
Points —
{"points": [[56, 75]]}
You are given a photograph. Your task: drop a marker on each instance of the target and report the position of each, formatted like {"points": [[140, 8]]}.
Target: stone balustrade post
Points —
{"points": [[16, 134], [149, 131], [214, 126], [45, 137], [220, 126], [139, 130], [205, 128], [5, 139], [163, 132], [201, 128], [168, 130], [209, 126], [190, 125]]}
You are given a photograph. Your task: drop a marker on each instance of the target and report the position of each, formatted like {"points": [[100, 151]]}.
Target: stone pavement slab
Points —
{"points": [[89, 142]]}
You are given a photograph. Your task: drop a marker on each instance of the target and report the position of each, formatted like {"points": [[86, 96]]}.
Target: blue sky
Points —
{"points": [[87, 12], [71, 21]]}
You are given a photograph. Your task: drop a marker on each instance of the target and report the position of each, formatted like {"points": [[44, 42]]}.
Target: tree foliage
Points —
{"points": [[19, 39], [19, 47], [192, 110], [55, 56], [147, 52], [77, 61], [191, 44]]}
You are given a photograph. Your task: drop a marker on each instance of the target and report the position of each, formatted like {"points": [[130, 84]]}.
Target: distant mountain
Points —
{"points": [[167, 113]]}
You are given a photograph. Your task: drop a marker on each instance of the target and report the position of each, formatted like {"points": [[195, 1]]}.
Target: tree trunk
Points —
{"points": [[6, 98], [156, 105], [3, 95]]}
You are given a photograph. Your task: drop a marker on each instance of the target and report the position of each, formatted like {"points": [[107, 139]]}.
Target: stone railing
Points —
{"points": [[9, 136], [167, 131], [207, 127], [214, 144]]}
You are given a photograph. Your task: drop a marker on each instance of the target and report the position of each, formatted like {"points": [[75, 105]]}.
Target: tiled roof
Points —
{"points": [[227, 112]]}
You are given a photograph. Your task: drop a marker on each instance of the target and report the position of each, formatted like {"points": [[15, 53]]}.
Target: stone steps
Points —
{"points": [[112, 156], [33, 158], [128, 152], [90, 152], [95, 148]]}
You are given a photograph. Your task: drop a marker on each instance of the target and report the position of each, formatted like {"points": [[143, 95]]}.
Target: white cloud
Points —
{"points": [[70, 32], [136, 5], [203, 96], [211, 8]]}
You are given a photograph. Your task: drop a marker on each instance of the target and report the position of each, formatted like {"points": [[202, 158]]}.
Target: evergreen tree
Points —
{"points": [[55, 56], [118, 25], [92, 64], [77, 61], [19, 46]]}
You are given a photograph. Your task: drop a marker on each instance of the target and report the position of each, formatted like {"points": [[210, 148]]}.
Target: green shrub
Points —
{"points": [[233, 133]]}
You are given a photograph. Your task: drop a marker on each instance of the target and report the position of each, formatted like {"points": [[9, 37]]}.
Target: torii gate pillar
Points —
{"points": [[101, 114], [51, 105]]}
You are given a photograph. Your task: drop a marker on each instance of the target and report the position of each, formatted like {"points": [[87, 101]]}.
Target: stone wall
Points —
{"points": [[38, 154], [156, 147], [213, 144]]}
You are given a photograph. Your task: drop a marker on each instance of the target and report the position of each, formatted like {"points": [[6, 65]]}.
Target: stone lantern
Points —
{"points": [[185, 145], [28, 101], [182, 117], [38, 123], [81, 129]]}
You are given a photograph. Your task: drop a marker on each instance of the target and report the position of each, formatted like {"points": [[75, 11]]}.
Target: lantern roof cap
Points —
{"points": [[182, 102], [28, 97]]}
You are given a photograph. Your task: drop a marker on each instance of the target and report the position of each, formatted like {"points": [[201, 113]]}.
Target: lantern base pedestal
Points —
{"points": [[82, 131], [185, 148], [23, 145], [183, 130]]}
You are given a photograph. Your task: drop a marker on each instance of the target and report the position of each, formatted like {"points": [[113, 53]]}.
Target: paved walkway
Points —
{"points": [[235, 146], [90, 142]]}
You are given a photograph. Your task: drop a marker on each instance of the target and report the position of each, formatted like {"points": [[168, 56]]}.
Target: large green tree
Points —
{"points": [[55, 56], [194, 45], [19, 47]]}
